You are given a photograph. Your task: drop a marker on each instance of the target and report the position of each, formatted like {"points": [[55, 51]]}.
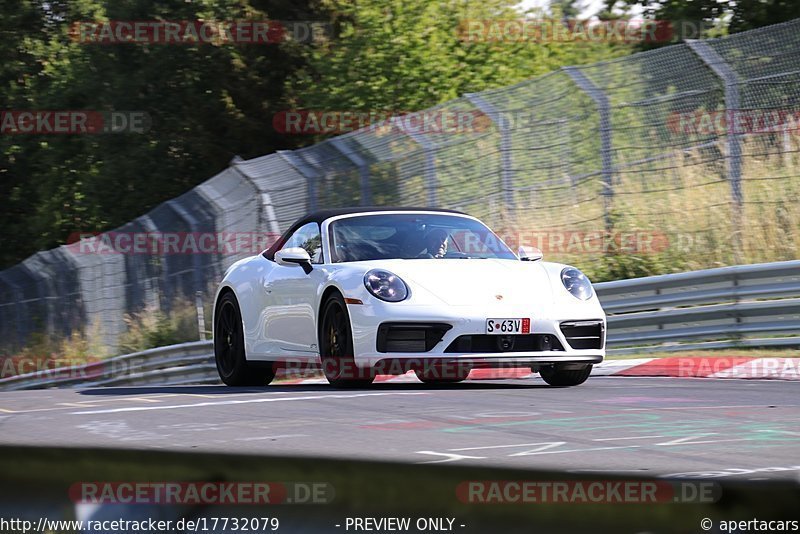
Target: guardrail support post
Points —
{"points": [[504, 128], [431, 184], [201, 319], [266, 213], [604, 111], [193, 227], [307, 172], [363, 169], [733, 161]]}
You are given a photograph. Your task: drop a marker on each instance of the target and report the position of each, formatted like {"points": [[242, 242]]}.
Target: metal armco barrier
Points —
{"points": [[186, 363], [744, 306]]}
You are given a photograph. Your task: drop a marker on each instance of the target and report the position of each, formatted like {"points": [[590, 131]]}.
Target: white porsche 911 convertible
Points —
{"points": [[361, 292]]}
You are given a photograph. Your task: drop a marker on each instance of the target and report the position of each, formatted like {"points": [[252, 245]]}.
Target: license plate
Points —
{"points": [[501, 327]]}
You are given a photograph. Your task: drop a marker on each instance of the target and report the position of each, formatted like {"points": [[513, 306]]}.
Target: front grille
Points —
{"points": [[482, 343], [584, 334], [410, 337]]}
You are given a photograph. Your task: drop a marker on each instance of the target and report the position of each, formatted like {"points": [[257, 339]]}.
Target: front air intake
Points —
{"points": [[485, 343], [410, 337], [584, 334]]}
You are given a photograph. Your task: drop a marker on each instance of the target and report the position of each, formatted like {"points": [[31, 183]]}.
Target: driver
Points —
{"points": [[435, 244]]}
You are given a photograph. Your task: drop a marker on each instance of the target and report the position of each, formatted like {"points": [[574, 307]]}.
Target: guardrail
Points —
{"points": [[744, 306], [186, 363]]}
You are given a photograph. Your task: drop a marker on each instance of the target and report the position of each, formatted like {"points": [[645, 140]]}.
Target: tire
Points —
{"points": [[443, 374], [565, 377], [229, 354], [336, 347]]}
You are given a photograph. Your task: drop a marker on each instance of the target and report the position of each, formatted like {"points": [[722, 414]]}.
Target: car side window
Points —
{"points": [[307, 237]]}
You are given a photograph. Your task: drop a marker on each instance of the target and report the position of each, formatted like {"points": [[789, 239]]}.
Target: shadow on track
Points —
{"points": [[301, 388]]}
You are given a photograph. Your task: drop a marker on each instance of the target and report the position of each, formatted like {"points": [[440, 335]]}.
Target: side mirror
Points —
{"points": [[526, 253], [294, 256]]}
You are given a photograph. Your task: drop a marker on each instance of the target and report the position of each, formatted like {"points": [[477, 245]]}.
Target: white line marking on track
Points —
{"points": [[248, 401], [780, 432], [546, 445], [449, 457], [681, 441], [685, 441], [628, 437], [707, 441], [606, 470], [533, 453]]}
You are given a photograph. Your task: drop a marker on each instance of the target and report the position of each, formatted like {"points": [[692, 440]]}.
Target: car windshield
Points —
{"points": [[413, 236]]}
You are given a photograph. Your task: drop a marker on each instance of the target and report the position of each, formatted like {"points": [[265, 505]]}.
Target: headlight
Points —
{"points": [[385, 285], [576, 283]]}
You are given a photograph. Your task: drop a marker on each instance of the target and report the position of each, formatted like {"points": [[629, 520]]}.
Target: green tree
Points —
{"points": [[733, 15], [206, 102], [405, 56]]}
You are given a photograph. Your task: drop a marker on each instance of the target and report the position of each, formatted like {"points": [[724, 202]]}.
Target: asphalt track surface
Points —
{"points": [[708, 428]]}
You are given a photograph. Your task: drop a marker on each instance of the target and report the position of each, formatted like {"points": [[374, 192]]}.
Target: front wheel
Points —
{"points": [[229, 354], [336, 347], [565, 377]]}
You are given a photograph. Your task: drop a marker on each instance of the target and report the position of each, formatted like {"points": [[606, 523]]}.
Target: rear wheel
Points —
{"points": [[443, 374], [565, 377], [229, 354], [336, 347]]}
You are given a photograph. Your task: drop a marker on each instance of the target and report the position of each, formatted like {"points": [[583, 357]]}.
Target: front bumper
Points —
{"points": [[464, 321]]}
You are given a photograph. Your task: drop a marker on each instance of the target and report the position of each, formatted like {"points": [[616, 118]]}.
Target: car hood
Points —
{"points": [[475, 282]]}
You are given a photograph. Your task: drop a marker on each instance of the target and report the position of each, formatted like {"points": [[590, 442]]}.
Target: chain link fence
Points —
{"points": [[679, 158]]}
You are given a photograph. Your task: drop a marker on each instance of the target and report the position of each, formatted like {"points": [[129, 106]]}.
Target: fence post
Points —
{"points": [[266, 212], [363, 169], [733, 161], [307, 172], [504, 127], [201, 319], [155, 261], [192, 222], [431, 182], [604, 111]]}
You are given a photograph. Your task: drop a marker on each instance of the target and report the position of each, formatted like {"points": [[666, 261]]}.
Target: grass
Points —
{"points": [[147, 329], [152, 327], [678, 215], [45, 353]]}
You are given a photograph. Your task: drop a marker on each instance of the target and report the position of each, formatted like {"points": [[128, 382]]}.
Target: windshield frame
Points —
{"points": [[326, 230]]}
